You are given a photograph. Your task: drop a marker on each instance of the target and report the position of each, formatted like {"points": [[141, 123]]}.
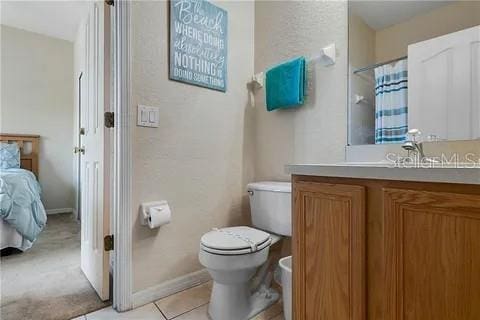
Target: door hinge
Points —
{"points": [[109, 119], [108, 242], [110, 2]]}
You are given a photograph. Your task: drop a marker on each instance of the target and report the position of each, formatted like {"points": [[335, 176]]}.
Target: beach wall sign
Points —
{"points": [[198, 43]]}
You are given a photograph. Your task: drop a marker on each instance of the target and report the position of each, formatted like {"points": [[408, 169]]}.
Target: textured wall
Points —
{"points": [[37, 98], [361, 50], [200, 158], [317, 131]]}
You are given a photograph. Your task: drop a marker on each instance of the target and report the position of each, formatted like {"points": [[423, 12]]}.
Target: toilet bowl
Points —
{"points": [[233, 255], [231, 272]]}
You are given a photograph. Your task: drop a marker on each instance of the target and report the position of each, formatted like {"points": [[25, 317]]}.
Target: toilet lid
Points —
{"points": [[235, 240]]}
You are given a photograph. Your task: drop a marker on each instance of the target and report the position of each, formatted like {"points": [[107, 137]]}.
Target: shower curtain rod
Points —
{"points": [[373, 66]]}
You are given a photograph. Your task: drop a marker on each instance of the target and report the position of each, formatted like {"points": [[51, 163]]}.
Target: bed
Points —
{"points": [[22, 214]]}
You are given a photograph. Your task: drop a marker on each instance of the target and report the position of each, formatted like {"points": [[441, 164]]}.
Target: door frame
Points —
{"points": [[121, 148]]}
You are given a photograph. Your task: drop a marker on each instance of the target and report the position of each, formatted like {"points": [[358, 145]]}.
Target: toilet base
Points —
{"points": [[263, 299], [236, 302]]}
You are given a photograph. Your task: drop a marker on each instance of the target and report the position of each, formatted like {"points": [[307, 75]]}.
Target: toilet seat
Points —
{"points": [[235, 241]]}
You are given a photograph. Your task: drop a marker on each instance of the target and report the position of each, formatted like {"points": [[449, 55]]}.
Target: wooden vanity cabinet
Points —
{"points": [[386, 250]]}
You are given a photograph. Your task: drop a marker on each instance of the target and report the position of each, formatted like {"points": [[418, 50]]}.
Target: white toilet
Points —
{"points": [[233, 255]]}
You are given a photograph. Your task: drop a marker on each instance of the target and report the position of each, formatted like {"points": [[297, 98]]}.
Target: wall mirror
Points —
{"points": [[413, 65]]}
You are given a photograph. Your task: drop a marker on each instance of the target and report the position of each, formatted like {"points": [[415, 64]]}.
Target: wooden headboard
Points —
{"points": [[28, 144]]}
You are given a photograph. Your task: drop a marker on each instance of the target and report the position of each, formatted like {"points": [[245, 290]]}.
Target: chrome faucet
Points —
{"points": [[412, 145], [415, 147]]}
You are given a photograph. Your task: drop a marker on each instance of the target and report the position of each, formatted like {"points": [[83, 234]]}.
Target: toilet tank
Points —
{"points": [[271, 206]]}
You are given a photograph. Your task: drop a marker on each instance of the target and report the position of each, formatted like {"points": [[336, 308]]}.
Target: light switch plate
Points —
{"points": [[148, 116]]}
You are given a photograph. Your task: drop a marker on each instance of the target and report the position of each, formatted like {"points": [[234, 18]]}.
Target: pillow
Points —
{"points": [[9, 155]]}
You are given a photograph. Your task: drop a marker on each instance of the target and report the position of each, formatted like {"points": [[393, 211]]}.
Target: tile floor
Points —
{"points": [[190, 304]]}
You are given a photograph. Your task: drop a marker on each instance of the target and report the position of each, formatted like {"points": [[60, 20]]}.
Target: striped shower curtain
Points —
{"points": [[391, 107]]}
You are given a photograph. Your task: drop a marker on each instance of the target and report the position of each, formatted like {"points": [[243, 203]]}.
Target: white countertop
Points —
{"points": [[460, 173]]}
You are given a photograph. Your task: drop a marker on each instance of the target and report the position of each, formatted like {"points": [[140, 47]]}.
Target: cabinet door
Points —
{"points": [[432, 252], [328, 251]]}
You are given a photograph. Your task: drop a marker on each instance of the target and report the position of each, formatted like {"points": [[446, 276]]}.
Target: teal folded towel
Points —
{"points": [[285, 84]]}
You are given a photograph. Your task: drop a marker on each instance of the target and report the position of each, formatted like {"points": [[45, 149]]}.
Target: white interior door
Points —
{"points": [[444, 85], [95, 216]]}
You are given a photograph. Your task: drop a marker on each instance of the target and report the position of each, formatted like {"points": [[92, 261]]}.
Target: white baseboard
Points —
{"points": [[170, 287], [59, 210]]}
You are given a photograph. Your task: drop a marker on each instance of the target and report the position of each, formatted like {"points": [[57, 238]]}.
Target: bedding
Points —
{"points": [[20, 204], [9, 155]]}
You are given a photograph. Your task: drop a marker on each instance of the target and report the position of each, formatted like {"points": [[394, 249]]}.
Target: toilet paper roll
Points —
{"points": [[159, 216]]}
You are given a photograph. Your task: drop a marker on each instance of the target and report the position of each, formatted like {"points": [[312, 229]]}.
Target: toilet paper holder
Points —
{"points": [[145, 208]]}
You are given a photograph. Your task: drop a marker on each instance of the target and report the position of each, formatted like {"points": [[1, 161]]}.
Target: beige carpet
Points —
{"points": [[46, 282]]}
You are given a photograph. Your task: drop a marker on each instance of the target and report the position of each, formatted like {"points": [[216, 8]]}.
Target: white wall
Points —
{"points": [[37, 98], [200, 158], [316, 132]]}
